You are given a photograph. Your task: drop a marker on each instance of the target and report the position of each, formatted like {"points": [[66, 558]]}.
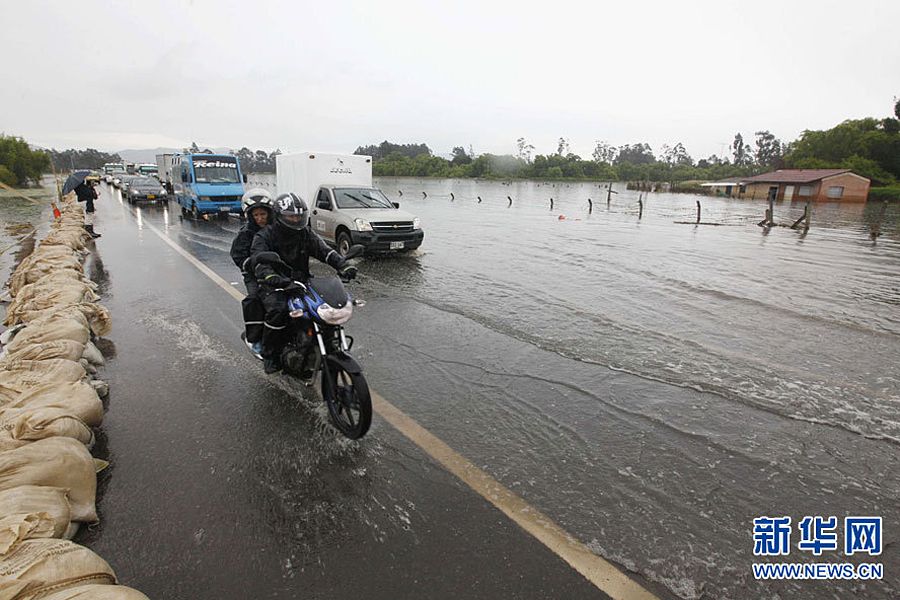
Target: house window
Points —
{"points": [[835, 191], [804, 190]]}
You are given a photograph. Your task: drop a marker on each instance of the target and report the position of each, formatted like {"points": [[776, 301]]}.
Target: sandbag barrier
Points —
{"points": [[50, 400]]}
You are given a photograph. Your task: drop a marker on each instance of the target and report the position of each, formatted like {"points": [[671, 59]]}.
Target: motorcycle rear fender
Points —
{"points": [[344, 360]]}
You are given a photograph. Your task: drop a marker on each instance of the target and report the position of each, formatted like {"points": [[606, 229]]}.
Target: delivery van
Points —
{"points": [[346, 209], [207, 183]]}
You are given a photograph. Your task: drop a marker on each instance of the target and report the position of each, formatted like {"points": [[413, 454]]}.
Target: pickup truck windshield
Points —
{"points": [[360, 198], [216, 170]]}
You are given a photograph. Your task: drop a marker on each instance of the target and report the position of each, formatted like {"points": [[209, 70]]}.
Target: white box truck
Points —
{"points": [[164, 170], [345, 208]]}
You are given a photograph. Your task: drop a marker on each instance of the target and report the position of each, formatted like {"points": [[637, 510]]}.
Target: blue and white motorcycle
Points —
{"points": [[319, 308]]}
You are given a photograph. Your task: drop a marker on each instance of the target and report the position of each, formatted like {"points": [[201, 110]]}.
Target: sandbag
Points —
{"points": [[96, 592], [27, 499], [53, 282], [24, 526], [56, 327], [97, 316], [36, 568], [23, 426], [58, 462], [33, 301], [21, 376], [70, 238], [66, 349], [92, 354], [79, 399]]}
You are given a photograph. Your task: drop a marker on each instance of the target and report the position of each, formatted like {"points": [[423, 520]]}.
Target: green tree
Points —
{"points": [[769, 151], [21, 165], [604, 153], [460, 157]]}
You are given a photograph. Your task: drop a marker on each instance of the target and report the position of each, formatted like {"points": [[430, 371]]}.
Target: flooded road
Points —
{"points": [[652, 387]]}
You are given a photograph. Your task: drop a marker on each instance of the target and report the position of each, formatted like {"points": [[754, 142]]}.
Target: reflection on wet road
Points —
{"points": [[752, 375]]}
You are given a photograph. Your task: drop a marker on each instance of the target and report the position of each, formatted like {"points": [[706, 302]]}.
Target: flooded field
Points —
{"points": [[21, 223], [806, 326]]}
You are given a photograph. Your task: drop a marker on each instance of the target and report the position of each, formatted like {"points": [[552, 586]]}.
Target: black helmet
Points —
{"points": [[255, 198], [291, 211]]}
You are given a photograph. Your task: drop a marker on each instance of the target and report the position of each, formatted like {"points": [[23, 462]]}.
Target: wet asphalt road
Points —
{"points": [[227, 484]]}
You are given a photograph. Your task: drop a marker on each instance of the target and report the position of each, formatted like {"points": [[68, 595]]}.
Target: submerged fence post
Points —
{"points": [[452, 197], [590, 206], [479, 199], [424, 195], [510, 202], [698, 212], [400, 192], [876, 228], [551, 203], [608, 193], [807, 211]]}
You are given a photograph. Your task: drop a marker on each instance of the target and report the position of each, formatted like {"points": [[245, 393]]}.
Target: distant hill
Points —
{"points": [[148, 155]]}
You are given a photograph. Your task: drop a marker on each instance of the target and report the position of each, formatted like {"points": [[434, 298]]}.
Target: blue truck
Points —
{"points": [[207, 183]]}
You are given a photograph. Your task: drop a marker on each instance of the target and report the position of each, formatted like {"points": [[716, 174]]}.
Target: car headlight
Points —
{"points": [[335, 316], [416, 224], [362, 225], [204, 198]]}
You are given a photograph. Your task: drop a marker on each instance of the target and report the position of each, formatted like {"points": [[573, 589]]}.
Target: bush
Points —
{"points": [[889, 192], [7, 177], [22, 162]]}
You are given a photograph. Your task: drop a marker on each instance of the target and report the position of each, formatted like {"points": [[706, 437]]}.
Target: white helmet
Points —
{"points": [[256, 197]]}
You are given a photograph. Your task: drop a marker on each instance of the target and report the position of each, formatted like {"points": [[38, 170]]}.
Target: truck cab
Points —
{"points": [[207, 183], [346, 209]]}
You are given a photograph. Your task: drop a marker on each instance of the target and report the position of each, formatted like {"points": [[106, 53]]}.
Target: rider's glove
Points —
{"points": [[277, 281], [348, 273]]}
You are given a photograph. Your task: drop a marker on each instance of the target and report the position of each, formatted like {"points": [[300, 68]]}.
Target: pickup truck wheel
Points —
{"points": [[194, 212], [343, 243]]}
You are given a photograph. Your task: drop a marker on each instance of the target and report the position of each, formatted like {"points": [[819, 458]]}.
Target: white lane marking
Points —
{"points": [[600, 572]]}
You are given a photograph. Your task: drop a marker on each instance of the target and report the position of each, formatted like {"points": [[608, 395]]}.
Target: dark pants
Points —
{"points": [[275, 329], [254, 312]]}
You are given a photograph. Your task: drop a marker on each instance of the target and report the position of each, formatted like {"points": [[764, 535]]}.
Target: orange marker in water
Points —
{"points": [[56, 213]]}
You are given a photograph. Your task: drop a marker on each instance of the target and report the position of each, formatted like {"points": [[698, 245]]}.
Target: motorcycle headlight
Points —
{"points": [[416, 224], [362, 225], [335, 316]]}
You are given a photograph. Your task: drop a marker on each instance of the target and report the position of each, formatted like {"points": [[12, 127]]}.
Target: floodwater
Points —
{"points": [[21, 222], [651, 386]]}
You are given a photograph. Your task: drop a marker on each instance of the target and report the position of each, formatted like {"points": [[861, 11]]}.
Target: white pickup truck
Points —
{"points": [[346, 209]]}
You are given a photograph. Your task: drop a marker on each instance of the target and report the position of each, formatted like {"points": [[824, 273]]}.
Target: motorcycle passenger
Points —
{"points": [[256, 205], [292, 239]]}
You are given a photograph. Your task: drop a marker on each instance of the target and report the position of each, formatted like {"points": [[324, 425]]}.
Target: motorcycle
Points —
{"points": [[317, 344]]}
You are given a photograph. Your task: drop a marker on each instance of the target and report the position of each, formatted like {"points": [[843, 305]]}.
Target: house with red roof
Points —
{"points": [[800, 185]]}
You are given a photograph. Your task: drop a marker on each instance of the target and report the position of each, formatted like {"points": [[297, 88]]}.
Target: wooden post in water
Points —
{"points": [[400, 192], [479, 199], [640, 208], [452, 197], [424, 195], [608, 193], [807, 212], [590, 206], [876, 228], [551, 203], [698, 212], [510, 202]]}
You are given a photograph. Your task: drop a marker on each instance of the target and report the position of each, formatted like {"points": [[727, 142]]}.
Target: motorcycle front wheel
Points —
{"points": [[348, 400]]}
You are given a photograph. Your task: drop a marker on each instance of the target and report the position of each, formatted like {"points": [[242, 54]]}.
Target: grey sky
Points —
{"points": [[335, 75]]}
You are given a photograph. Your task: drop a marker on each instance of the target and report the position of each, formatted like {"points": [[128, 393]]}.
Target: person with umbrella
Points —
{"points": [[80, 183]]}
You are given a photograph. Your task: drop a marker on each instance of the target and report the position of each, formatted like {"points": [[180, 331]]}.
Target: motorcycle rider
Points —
{"points": [[256, 205], [292, 239]]}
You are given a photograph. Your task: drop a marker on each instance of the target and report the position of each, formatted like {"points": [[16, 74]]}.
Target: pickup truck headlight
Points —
{"points": [[416, 224], [204, 198], [362, 225]]}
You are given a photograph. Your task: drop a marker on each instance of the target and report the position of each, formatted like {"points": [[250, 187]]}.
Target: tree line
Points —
{"points": [[870, 147]]}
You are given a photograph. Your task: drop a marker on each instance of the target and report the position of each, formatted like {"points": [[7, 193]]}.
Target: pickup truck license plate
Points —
{"points": [[396, 245], [223, 209]]}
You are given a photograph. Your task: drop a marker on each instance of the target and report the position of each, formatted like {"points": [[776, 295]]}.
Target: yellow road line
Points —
{"points": [[600, 572]]}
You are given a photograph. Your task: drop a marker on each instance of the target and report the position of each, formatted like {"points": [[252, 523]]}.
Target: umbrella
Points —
{"points": [[74, 180]]}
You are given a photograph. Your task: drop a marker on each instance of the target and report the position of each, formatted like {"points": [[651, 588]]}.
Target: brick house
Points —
{"points": [[821, 185]]}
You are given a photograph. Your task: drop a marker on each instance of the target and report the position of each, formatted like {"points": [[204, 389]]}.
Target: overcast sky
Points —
{"points": [[329, 75]]}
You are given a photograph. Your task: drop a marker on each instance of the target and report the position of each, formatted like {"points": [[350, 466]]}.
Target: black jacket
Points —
{"points": [[85, 192], [294, 247], [240, 247]]}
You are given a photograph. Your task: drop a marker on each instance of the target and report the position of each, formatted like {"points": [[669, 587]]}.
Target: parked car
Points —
{"points": [[145, 188]]}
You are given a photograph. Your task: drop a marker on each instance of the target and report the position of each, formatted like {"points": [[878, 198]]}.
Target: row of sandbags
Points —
{"points": [[49, 403]]}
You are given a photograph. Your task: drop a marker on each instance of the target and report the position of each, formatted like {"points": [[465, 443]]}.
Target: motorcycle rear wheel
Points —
{"points": [[348, 400]]}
